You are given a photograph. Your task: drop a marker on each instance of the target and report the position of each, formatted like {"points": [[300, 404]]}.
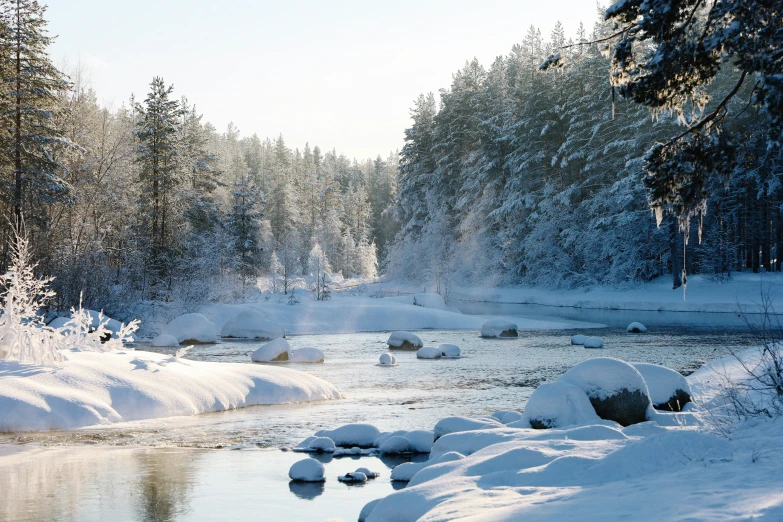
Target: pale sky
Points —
{"points": [[335, 74]]}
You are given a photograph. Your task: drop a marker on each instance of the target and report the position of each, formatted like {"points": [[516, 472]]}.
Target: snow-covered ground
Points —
{"points": [[602, 471], [701, 295], [100, 388]]}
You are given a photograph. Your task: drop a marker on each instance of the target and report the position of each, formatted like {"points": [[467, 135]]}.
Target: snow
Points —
{"points": [[558, 404], [506, 416], [429, 352], [499, 328], [579, 339], [101, 388], [165, 341], [636, 327], [307, 470], [455, 424], [593, 342], [274, 351], [321, 444], [420, 440], [387, 359], [603, 377], [404, 340], [110, 324], [449, 350], [395, 445], [353, 477], [405, 471], [191, 329], [350, 435], [662, 383], [307, 355], [251, 324], [369, 474], [367, 509]]}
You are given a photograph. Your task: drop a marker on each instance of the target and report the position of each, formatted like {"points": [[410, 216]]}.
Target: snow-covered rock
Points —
{"points": [[96, 318], [559, 404], [321, 445], [191, 329], [499, 328], [353, 478], [165, 341], [251, 324], [274, 351], [369, 474], [307, 470], [404, 472], [387, 359], [396, 445], [636, 328], [404, 341], [420, 440], [307, 355], [506, 416], [668, 389], [456, 424], [449, 350], [350, 435], [367, 510], [593, 342], [615, 388], [578, 340], [429, 352], [106, 387]]}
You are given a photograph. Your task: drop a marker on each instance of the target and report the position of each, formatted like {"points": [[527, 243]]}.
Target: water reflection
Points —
{"points": [[164, 484], [306, 490]]}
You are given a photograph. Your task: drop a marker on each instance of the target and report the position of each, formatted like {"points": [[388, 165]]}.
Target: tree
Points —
{"points": [[29, 106], [244, 224]]}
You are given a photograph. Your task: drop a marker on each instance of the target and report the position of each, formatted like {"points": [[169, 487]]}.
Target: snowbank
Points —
{"points": [[429, 352], [307, 355], [191, 329], [100, 388], [251, 324], [275, 351], [404, 341], [499, 328]]}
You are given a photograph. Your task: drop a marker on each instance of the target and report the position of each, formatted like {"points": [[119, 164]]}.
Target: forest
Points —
{"points": [[513, 175]]}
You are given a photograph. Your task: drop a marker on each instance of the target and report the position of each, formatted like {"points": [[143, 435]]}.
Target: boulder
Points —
{"points": [[578, 340], [593, 342], [499, 328], [307, 355], [404, 341], [350, 435], [558, 404], [396, 445], [251, 324], [353, 478], [636, 328], [322, 445], [387, 359], [449, 350], [429, 353], [165, 341], [307, 470], [275, 351], [669, 391], [192, 329], [615, 388]]}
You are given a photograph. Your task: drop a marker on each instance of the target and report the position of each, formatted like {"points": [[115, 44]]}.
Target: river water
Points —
{"points": [[227, 465]]}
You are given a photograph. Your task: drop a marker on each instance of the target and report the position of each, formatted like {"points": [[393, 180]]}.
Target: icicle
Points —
{"points": [[684, 271], [658, 215], [613, 102]]}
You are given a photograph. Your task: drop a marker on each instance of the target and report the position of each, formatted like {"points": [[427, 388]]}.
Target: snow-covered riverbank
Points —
{"points": [[101, 388]]}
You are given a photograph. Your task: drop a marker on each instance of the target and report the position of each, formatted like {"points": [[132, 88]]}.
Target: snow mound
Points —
{"points": [[449, 350], [558, 404], [367, 510], [429, 353], [307, 470], [191, 329], [636, 328], [499, 328], [353, 477], [96, 318], [578, 340], [165, 341], [593, 342], [668, 389], [251, 324], [369, 474], [457, 424], [387, 359], [350, 435], [307, 355], [404, 341], [321, 445], [396, 445], [615, 388], [106, 387], [275, 351], [420, 440], [506, 416], [404, 472]]}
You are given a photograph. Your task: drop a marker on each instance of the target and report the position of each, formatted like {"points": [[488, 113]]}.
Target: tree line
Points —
{"points": [[149, 202], [523, 175]]}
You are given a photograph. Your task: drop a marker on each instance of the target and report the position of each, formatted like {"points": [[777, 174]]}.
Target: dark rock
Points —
{"points": [[406, 345], [509, 333], [625, 408], [678, 400]]}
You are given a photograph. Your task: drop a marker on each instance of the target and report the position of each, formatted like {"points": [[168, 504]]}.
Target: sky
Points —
{"points": [[337, 74]]}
